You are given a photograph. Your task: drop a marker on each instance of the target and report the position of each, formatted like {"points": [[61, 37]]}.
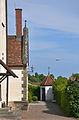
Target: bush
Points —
{"points": [[33, 91], [66, 93], [29, 97], [35, 98], [59, 88], [73, 95]]}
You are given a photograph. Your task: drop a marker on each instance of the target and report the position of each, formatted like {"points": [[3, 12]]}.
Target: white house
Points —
{"points": [[14, 52], [18, 60], [46, 89]]}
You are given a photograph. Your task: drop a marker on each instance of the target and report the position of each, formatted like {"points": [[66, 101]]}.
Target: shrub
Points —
{"points": [[35, 98], [66, 93], [33, 91], [60, 95], [73, 95], [29, 97]]}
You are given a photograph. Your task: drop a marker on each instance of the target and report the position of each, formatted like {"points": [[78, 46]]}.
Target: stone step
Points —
{"points": [[11, 116], [5, 109], [7, 113], [3, 112]]}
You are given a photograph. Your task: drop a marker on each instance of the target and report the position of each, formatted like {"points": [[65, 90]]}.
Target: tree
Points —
{"points": [[73, 94], [52, 75], [36, 75], [75, 75], [41, 77], [29, 76], [36, 78]]}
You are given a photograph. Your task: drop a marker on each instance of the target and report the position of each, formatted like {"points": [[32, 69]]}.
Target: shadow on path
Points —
{"points": [[53, 108]]}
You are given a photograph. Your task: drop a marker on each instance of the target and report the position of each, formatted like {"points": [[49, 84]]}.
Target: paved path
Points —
{"points": [[44, 111]]}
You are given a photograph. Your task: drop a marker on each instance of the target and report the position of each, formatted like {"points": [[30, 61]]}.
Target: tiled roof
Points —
{"points": [[14, 52], [48, 81]]}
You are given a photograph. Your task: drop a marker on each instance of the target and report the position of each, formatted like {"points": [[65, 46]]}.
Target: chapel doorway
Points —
{"points": [[43, 94]]}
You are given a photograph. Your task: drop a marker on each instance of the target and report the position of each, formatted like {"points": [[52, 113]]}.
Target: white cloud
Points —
{"points": [[62, 15], [42, 45], [59, 53]]}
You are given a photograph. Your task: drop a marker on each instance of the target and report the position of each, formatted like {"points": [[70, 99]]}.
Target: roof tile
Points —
{"points": [[48, 81], [14, 51]]}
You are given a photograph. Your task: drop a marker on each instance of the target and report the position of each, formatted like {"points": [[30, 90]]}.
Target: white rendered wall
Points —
{"points": [[2, 30], [15, 86], [3, 91], [3, 45], [3, 85], [48, 93]]}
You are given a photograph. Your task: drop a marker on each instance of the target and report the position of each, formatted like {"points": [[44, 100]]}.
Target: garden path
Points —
{"points": [[44, 111]]}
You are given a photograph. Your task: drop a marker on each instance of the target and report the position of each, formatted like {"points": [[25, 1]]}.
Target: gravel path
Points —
{"points": [[44, 111]]}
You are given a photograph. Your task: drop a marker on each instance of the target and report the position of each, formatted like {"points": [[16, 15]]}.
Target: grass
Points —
{"points": [[34, 84], [34, 102]]}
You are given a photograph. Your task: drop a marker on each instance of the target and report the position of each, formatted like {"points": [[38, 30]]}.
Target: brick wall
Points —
{"points": [[18, 22]]}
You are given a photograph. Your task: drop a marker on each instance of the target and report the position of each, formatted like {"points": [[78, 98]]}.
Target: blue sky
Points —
{"points": [[53, 33]]}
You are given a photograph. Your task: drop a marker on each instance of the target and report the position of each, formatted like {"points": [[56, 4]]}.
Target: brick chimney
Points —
{"points": [[18, 22]]}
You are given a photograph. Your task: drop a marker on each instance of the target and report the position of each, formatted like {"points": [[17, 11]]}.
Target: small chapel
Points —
{"points": [[46, 89]]}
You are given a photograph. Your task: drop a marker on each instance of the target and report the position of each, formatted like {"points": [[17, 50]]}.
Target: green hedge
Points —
{"points": [[33, 91], [66, 93], [73, 95], [29, 97], [60, 94]]}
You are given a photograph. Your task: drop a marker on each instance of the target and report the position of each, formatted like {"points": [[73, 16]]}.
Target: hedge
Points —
{"points": [[60, 94], [66, 93], [73, 95], [33, 91]]}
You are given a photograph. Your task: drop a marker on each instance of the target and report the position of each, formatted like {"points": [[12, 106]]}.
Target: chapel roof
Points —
{"points": [[48, 81]]}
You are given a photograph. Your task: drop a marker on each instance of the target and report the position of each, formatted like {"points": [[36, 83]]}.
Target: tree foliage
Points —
{"points": [[33, 91], [60, 95], [37, 78], [66, 93], [73, 94]]}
